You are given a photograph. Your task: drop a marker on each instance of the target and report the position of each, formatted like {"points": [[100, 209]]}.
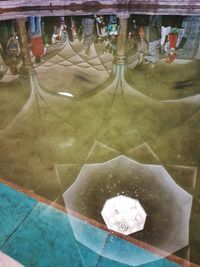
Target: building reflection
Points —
{"points": [[119, 39]]}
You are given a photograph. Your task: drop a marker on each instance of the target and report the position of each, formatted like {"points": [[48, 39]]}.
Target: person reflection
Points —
{"points": [[88, 33], [113, 31], [191, 26], [113, 26], [37, 44], [59, 29], [9, 47], [142, 44], [101, 27], [173, 38], [153, 36], [74, 28]]}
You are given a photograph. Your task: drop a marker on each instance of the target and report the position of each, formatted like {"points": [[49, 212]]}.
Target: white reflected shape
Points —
{"points": [[168, 206], [124, 215], [65, 94], [83, 233]]}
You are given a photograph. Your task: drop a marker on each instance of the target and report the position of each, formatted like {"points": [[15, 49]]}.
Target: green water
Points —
{"points": [[45, 137]]}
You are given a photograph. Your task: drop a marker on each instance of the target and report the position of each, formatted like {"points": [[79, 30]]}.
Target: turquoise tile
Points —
{"points": [[88, 256], [14, 207], [120, 253], [105, 262], [42, 236], [91, 240], [44, 239]]}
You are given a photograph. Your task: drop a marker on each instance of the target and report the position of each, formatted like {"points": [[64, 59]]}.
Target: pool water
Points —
{"points": [[86, 93]]}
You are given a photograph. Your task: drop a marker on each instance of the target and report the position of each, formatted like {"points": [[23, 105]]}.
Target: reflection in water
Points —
{"points": [[167, 205], [124, 215], [65, 94], [132, 83]]}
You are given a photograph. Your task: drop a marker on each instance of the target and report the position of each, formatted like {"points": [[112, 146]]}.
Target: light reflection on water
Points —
{"points": [[101, 81], [166, 204]]}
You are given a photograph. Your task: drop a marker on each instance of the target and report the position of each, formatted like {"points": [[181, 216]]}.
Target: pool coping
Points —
{"points": [[132, 240], [81, 7]]}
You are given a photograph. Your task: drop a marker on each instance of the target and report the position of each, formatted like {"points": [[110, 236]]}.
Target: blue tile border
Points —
{"points": [[14, 207], [44, 239], [41, 235], [91, 240]]}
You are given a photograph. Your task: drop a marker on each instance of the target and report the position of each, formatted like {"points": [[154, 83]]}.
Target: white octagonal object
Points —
{"points": [[124, 215]]}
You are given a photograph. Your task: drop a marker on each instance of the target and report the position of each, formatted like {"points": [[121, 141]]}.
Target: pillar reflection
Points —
{"points": [[27, 65]]}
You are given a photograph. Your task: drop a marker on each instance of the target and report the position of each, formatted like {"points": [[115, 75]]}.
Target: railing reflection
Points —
{"points": [[135, 39]]}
